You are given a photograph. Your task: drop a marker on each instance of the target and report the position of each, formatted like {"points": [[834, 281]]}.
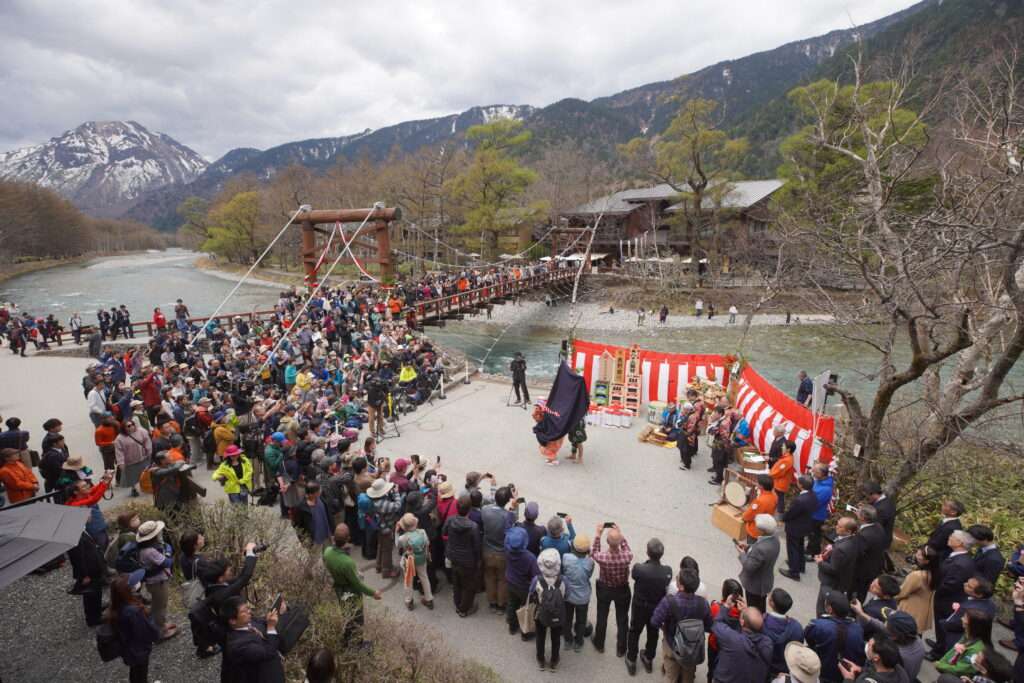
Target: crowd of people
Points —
{"points": [[274, 413]]}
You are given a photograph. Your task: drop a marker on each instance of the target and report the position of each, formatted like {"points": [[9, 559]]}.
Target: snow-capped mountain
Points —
{"points": [[103, 166]]}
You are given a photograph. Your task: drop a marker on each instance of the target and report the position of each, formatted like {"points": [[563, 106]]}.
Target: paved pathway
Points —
{"points": [[638, 486]]}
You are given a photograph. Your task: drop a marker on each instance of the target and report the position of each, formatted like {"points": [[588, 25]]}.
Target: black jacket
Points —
{"points": [[872, 554], [217, 593], [989, 563], [518, 368], [953, 572], [251, 657], [137, 633], [886, 510], [798, 515], [940, 537], [838, 570], [775, 450], [464, 545], [651, 582], [534, 533]]}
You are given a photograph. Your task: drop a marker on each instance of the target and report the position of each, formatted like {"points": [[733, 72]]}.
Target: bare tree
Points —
{"points": [[931, 224]]}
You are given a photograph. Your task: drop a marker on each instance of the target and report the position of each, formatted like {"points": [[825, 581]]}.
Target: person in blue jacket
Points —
{"points": [[835, 636], [823, 488], [136, 630], [782, 629], [560, 535]]}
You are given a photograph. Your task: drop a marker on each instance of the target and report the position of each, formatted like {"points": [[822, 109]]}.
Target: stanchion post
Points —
{"points": [[466, 379]]}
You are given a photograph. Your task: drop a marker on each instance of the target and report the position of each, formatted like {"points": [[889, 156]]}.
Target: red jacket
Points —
{"points": [[91, 498], [150, 388]]}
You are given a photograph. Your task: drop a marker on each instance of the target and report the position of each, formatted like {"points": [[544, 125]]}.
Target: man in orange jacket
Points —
{"points": [[782, 473], [17, 478], [763, 504]]}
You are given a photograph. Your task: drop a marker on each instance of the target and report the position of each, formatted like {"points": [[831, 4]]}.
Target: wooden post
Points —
{"points": [[309, 254], [387, 267]]}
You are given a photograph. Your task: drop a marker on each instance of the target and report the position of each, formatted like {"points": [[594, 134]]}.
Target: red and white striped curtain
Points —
{"points": [[764, 406], [664, 376]]}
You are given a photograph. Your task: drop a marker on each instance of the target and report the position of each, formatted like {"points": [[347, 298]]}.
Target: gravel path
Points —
{"points": [[45, 640]]}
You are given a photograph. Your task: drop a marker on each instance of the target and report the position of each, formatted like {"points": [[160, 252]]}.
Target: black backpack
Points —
{"points": [[108, 642], [191, 427], [207, 628], [128, 558], [687, 643], [208, 442], [550, 603]]}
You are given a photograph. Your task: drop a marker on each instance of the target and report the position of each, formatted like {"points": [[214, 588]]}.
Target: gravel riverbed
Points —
{"points": [[590, 316]]}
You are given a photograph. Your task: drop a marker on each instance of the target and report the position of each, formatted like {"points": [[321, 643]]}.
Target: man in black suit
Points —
{"points": [[799, 525], [988, 561], [252, 653], [953, 573], [951, 511], [775, 450], [836, 566], [872, 542], [884, 507]]}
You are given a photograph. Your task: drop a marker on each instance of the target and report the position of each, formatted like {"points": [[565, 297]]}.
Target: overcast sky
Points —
{"points": [[219, 74]]}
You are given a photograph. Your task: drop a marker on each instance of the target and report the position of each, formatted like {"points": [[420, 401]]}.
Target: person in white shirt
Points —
{"points": [[732, 314], [97, 400]]}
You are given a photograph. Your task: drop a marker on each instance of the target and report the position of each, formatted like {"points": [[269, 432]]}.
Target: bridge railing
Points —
{"points": [[439, 308], [461, 302]]}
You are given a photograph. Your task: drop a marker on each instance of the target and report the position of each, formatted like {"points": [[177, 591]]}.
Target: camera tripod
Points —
{"points": [[390, 420], [510, 404]]}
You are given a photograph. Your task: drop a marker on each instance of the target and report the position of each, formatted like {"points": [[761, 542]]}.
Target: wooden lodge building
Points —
{"points": [[644, 218]]}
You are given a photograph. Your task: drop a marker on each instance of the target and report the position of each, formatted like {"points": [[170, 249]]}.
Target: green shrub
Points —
{"points": [[292, 569]]}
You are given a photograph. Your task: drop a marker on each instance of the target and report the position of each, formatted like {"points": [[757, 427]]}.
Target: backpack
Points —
{"points": [[687, 643], [207, 628], [208, 443], [550, 603], [128, 558], [108, 642], [191, 426], [417, 544], [146, 480]]}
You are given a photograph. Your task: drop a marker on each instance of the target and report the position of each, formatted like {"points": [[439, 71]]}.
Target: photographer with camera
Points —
{"points": [[376, 395], [221, 582], [518, 369]]}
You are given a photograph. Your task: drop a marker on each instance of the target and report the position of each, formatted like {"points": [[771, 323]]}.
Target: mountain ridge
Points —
{"points": [[104, 166], [745, 87]]}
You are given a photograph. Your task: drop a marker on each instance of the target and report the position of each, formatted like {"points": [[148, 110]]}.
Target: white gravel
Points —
{"points": [[590, 316]]}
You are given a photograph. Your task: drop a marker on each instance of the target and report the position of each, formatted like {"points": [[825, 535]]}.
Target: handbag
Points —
{"points": [[192, 591], [527, 617]]}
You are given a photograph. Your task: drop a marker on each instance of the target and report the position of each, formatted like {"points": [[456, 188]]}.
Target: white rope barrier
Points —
{"points": [[304, 207]]}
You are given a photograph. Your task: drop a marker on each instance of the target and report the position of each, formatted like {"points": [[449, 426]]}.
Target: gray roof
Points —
{"points": [[744, 193]]}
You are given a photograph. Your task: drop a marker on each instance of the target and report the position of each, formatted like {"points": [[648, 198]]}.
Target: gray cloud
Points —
{"points": [[232, 73]]}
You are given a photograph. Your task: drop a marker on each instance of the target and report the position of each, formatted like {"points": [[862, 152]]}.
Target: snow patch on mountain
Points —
{"points": [[104, 165]]}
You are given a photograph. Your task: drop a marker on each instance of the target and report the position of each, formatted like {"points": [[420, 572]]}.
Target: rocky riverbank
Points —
{"points": [[596, 317]]}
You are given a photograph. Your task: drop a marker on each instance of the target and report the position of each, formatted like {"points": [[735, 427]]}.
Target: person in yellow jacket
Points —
{"points": [[235, 475], [407, 374], [304, 379]]}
